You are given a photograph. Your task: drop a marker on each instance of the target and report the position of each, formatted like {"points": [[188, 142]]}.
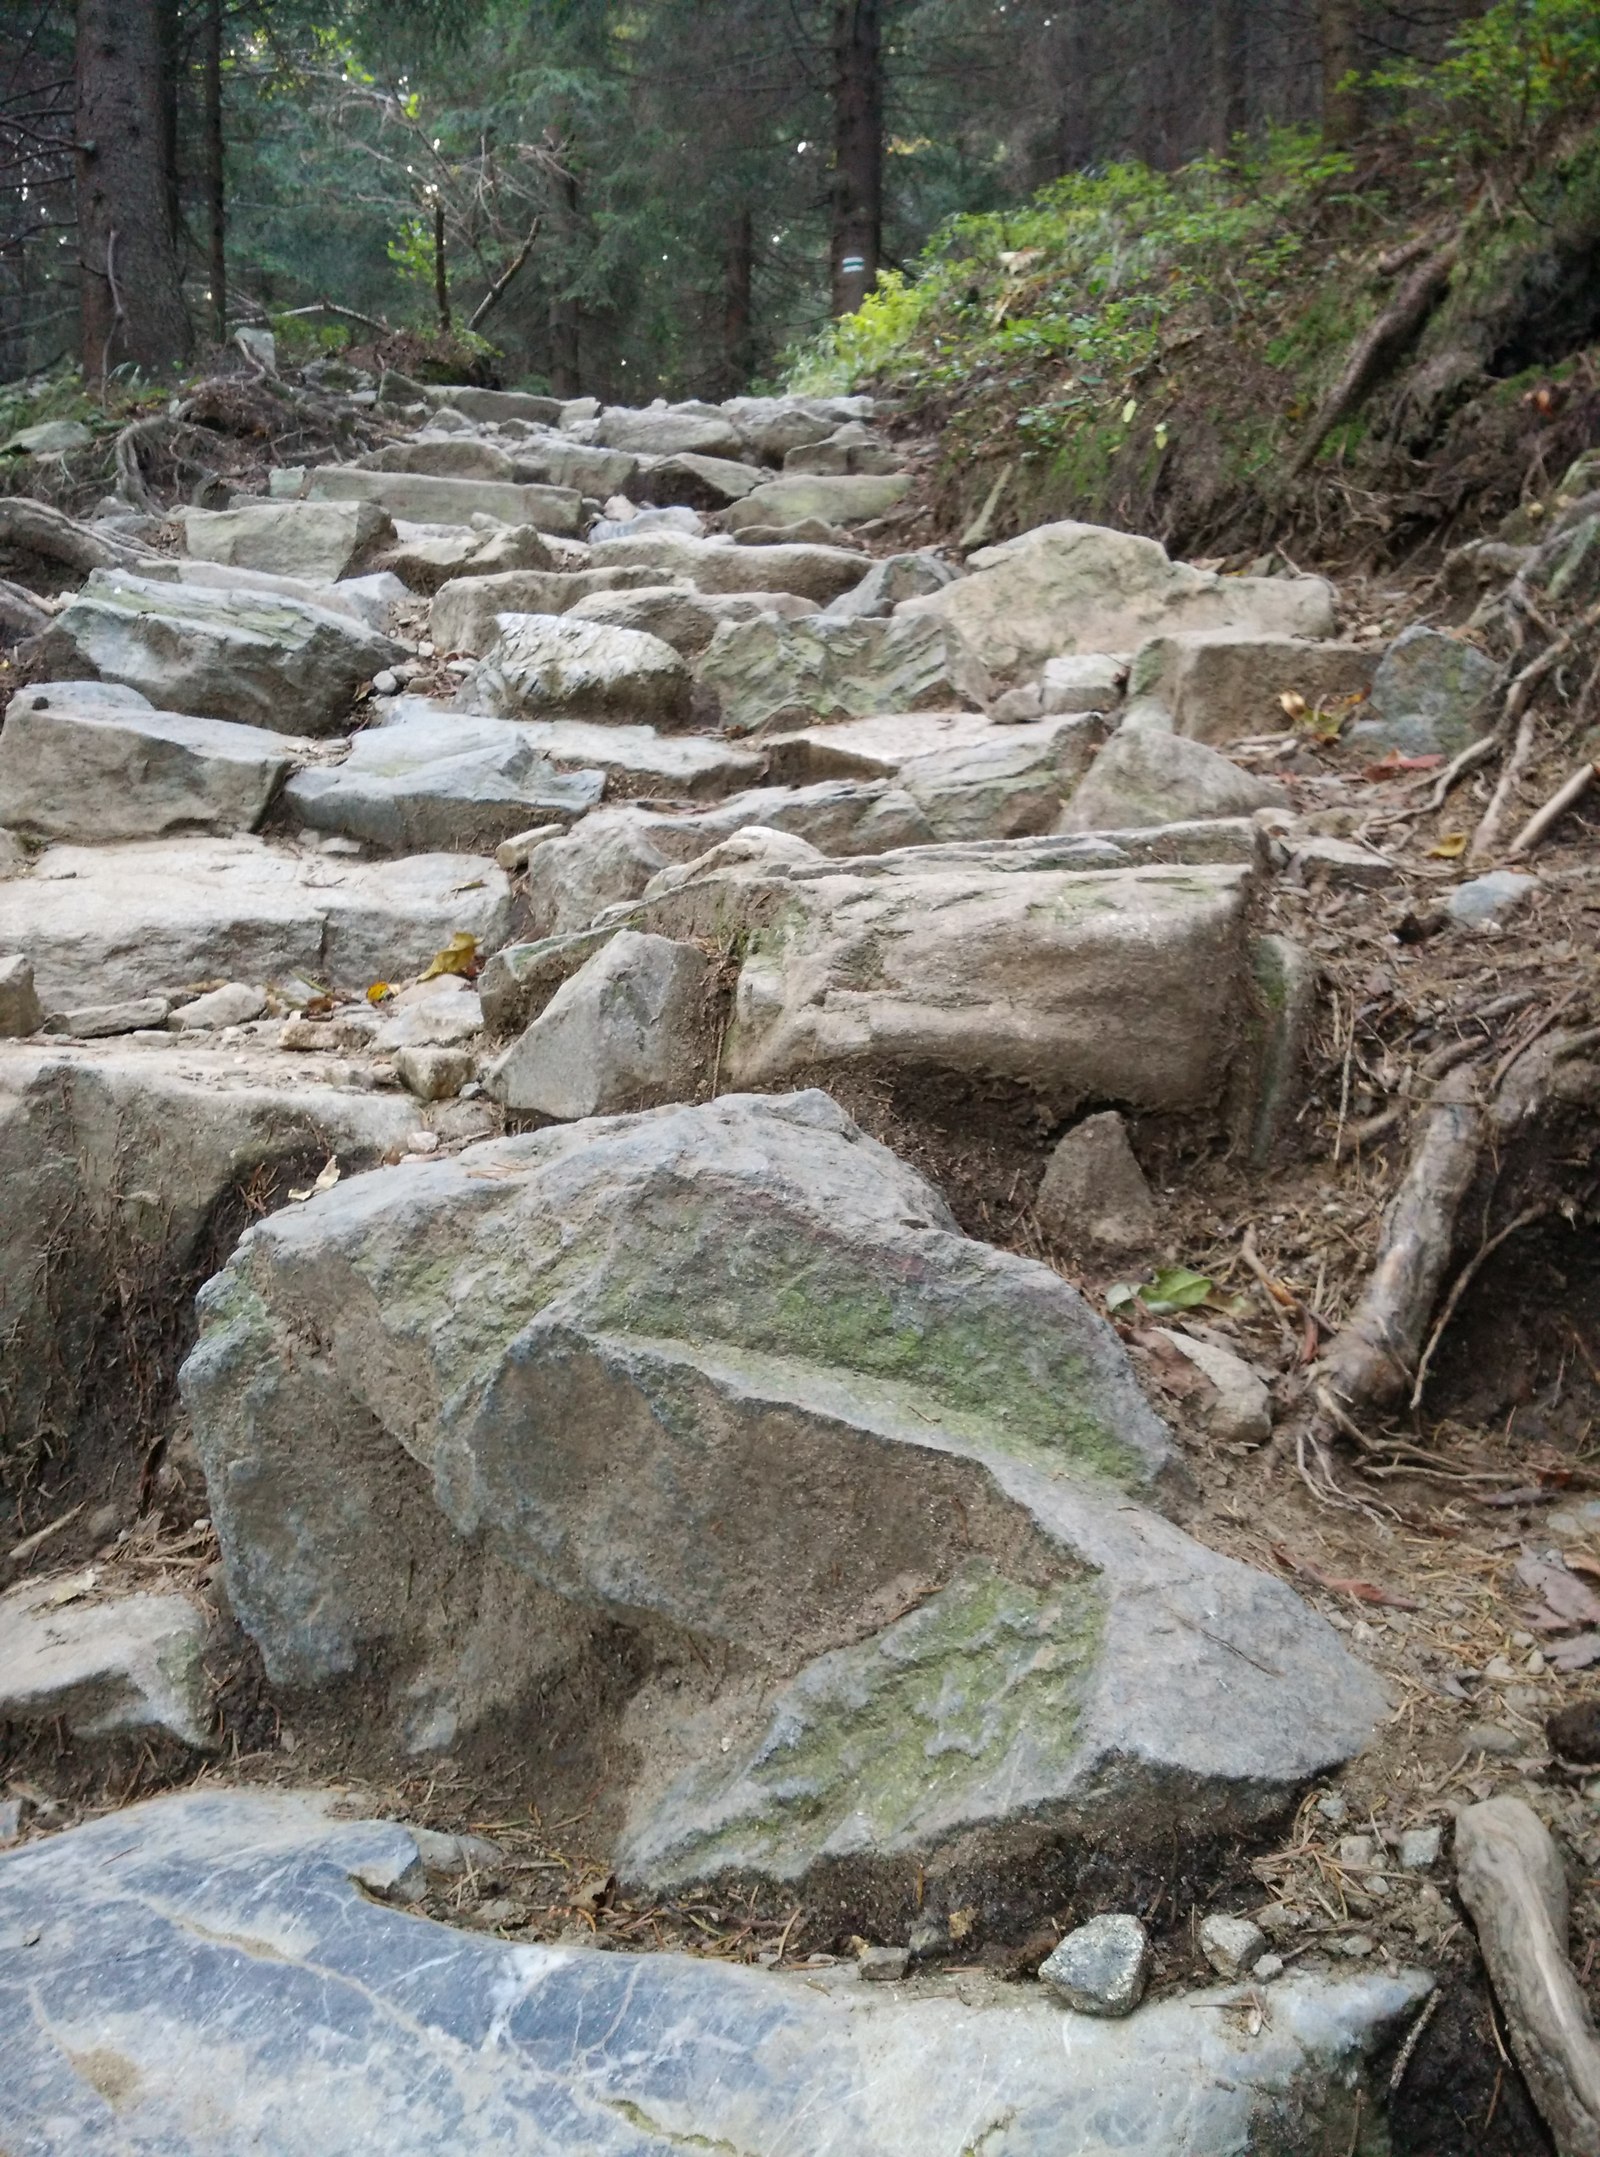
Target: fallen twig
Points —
{"points": [[1518, 709], [1569, 792]]}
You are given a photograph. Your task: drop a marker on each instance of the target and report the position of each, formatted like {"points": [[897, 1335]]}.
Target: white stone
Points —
{"points": [[1232, 1945], [1240, 1413], [103, 1668]]}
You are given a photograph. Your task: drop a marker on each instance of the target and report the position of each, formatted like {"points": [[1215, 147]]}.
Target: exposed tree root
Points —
{"points": [[1400, 324], [35, 528]]}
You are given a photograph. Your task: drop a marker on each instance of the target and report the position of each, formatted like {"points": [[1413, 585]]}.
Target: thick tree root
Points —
{"points": [[35, 528], [1510, 1877]]}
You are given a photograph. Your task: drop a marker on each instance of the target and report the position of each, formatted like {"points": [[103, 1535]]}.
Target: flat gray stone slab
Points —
{"points": [[102, 1667], [426, 497], [202, 1975]]}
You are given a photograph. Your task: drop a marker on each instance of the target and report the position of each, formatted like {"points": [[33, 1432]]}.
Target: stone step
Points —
{"points": [[424, 498], [254, 1932]]}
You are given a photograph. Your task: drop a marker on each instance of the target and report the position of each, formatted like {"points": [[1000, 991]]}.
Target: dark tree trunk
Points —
{"points": [[132, 304], [738, 307], [1340, 24], [216, 191], [1229, 75], [566, 338], [857, 150], [441, 272]]}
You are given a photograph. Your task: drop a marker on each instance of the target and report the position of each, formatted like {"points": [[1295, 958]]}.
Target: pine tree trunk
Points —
{"points": [[1340, 25], [216, 192], [441, 270], [857, 150], [738, 309], [132, 297]]}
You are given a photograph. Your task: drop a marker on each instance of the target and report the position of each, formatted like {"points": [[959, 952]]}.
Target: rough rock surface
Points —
{"points": [[1219, 686], [319, 540], [20, 1010], [272, 662], [102, 1668], [102, 772], [886, 583], [135, 918], [429, 784], [1117, 986], [795, 499], [549, 666], [465, 611], [713, 565], [1081, 588], [1431, 695], [1102, 1967], [625, 1032], [767, 674], [425, 497], [686, 620], [1145, 776], [1094, 1194], [225, 1927], [663, 1308]]}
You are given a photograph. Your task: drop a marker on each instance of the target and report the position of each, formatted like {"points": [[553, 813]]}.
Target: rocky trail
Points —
{"points": [[799, 1335]]}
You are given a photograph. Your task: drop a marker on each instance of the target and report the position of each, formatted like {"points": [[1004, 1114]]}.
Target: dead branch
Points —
{"points": [[497, 290], [1518, 709], [1511, 1879], [35, 528], [1570, 792], [1397, 327], [345, 314], [1369, 1362]]}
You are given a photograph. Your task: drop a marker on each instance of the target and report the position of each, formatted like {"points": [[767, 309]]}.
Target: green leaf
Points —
{"points": [[1175, 1288]]}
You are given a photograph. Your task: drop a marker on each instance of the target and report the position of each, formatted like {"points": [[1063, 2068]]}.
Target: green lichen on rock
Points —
{"points": [[882, 1745]]}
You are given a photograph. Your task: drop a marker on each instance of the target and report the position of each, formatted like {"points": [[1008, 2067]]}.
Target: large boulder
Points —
{"points": [[556, 460], [691, 482], [686, 620], [850, 448], [796, 499], [548, 666], [257, 1932], [770, 673], [371, 599], [854, 1500], [773, 426], [126, 1666], [444, 456], [1219, 686], [465, 611], [669, 431], [636, 759], [426, 498], [625, 1032], [717, 565], [140, 1163], [886, 583], [273, 662], [112, 922], [95, 771], [1144, 775], [493, 405], [316, 540], [427, 556], [1125, 985], [1006, 787], [1433, 693], [435, 783], [1082, 588]]}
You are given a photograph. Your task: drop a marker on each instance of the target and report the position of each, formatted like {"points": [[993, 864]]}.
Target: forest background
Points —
{"points": [[683, 190]]}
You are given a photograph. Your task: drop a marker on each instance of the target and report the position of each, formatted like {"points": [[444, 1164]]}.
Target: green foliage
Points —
{"points": [[1088, 285], [1512, 84]]}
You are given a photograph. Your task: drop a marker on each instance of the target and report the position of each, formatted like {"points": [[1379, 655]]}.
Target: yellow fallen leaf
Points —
{"points": [[1293, 704], [1128, 411], [329, 1177], [459, 956], [379, 993], [1450, 848]]}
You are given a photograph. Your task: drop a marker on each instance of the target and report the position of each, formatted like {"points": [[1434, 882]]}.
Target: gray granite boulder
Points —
{"points": [[669, 431], [318, 540], [428, 498], [1432, 694], [100, 772], [245, 1931], [886, 583], [463, 617], [687, 620], [1221, 686], [800, 498], [732, 1376], [445, 456], [769, 673], [556, 460], [716, 565], [696, 482], [1146, 776], [1070, 587], [638, 760], [627, 1031], [103, 1666], [108, 922], [432, 784], [549, 666], [269, 661]]}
